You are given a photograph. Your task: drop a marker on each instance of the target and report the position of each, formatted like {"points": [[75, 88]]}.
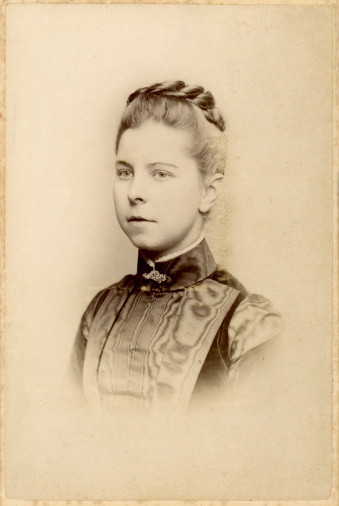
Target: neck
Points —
{"points": [[174, 254]]}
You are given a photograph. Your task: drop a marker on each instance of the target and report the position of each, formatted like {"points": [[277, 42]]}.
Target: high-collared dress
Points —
{"points": [[179, 333]]}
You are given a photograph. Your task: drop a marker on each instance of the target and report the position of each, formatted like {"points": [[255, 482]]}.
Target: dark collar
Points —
{"points": [[180, 272]]}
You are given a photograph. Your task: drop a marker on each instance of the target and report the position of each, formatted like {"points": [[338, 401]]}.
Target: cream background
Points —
{"points": [[69, 70]]}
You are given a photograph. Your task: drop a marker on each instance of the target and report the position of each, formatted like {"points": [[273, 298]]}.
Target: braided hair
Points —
{"points": [[185, 107]]}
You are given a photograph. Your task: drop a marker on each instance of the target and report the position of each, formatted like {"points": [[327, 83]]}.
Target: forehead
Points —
{"points": [[153, 140]]}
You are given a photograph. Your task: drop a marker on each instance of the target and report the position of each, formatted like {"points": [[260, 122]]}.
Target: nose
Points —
{"points": [[137, 190]]}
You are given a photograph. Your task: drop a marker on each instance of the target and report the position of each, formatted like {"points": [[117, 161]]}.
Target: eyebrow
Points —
{"points": [[164, 163], [122, 162], [126, 164]]}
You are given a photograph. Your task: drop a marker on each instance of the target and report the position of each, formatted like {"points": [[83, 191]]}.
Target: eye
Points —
{"points": [[125, 173], [160, 174]]}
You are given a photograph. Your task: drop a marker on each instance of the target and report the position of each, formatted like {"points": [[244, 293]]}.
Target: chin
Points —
{"points": [[143, 244], [156, 250]]}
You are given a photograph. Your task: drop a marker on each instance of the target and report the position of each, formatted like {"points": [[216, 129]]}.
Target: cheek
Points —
{"points": [[119, 190], [190, 196], [118, 198], [181, 208]]}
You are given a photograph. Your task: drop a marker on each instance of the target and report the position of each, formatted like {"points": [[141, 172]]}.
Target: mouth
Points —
{"points": [[138, 218]]}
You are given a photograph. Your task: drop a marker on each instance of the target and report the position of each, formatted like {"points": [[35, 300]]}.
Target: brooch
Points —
{"points": [[157, 276]]}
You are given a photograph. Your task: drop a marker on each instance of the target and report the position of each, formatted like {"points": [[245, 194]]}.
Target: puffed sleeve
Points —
{"points": [[254, 345]]}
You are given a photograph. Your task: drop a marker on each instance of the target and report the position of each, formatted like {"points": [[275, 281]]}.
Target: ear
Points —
{"points": [[210, 193]]}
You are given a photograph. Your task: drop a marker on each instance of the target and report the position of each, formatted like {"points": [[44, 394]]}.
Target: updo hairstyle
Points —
{"points": [[189, 108]]}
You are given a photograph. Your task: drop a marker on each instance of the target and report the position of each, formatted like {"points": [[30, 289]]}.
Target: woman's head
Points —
{"points": [[169, 164], [188, 108]]}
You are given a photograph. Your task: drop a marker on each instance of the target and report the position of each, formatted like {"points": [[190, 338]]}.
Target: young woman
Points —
{"points": [[182, 331]]}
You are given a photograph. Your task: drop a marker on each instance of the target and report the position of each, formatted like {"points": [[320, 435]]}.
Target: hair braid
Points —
{"points": [[197, 95]]}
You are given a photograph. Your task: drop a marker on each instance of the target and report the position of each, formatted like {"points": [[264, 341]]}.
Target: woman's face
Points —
{"points": [[158, 188]]}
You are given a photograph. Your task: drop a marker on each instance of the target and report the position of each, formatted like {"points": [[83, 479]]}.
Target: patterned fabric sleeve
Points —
{"points": [[253, 348], [75, 365]]}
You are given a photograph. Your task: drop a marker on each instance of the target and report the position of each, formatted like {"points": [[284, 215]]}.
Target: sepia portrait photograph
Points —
{"points": [[169, 251]]}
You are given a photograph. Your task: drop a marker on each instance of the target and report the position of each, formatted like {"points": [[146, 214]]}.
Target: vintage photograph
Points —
{"points": [[181, 329], [169, 252]]}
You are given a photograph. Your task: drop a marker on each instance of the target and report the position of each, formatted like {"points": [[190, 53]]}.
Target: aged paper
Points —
{"points": [[69, 69]]}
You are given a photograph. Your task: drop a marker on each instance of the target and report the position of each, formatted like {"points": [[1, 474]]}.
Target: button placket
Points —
{"points": [[133, 347]]}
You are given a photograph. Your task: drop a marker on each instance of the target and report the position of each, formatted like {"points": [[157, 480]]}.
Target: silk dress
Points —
{"points": [[180, 333]]}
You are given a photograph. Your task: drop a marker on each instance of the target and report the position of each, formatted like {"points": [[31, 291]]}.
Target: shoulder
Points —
{"points": [[254, 322], [107, 295], [224, 277]]}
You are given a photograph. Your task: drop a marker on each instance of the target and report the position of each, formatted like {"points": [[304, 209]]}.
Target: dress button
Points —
{"points": [[151, 297]]}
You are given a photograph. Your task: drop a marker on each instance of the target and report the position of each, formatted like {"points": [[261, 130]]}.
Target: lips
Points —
{"points": [[138, 218]]}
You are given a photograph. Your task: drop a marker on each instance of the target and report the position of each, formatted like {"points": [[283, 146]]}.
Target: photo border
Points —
{"points": [[333, 500]]}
